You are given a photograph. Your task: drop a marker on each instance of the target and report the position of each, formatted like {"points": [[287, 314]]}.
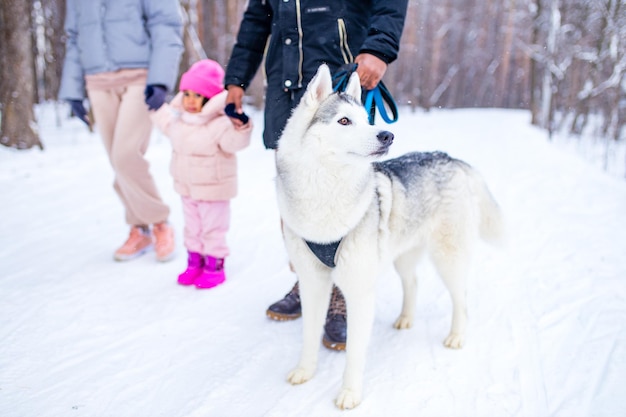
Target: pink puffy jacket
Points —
{"points": [[204, 165]]}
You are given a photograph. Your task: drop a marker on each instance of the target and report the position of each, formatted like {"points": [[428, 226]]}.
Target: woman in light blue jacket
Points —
{"points": [[123, 55]]}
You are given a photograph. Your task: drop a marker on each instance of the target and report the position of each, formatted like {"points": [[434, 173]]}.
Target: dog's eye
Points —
{"points": [[344, 121]]}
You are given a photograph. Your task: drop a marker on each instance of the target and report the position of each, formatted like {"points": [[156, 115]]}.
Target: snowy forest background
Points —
{"points": [[563, 60]]}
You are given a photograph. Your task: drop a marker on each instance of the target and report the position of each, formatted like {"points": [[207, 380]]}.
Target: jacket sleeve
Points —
{"points": [[247, 55], [162, 118], [165, 25], [232, 140], [72, 79], [385, 30]]}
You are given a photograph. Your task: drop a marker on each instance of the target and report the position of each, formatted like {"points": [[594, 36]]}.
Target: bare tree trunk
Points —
{"points": [[502, 88], [535, 68], [17, 76], [423, 47], [193, 50], [220, 21], [436, 57], [547, 83], [54, 46]]}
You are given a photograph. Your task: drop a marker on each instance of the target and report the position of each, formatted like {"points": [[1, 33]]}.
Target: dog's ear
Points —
{"points": [[320, 87], [354, 86]]}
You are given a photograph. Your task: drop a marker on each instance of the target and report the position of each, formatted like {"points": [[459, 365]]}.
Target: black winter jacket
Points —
{"points": [[304, 34]]}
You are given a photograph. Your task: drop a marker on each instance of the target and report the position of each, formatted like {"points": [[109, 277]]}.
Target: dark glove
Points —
{"points": [[78, 110], [230, 112], [155, 96]]}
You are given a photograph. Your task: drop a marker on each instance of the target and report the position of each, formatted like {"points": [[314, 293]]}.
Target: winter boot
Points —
{"points": [[195, 263], [336, 326], [212, 274], [288, 308], [163, 241], [139, 242]]}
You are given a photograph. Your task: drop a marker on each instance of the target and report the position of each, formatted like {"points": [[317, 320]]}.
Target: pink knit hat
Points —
{"points": [[205, 77]]}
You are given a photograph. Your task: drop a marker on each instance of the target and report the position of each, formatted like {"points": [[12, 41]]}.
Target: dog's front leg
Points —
{"points": [[360, 305], [315, 288]]}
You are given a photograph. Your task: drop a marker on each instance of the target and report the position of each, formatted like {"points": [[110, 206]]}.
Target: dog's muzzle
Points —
{"points": [[385, 139]]}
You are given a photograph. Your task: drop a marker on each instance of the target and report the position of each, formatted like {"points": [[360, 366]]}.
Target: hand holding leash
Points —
{"points": [[378, 97], [371, 70]]}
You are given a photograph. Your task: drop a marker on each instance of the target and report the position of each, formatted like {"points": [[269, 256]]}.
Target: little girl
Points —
{"points": [[204, 167]]}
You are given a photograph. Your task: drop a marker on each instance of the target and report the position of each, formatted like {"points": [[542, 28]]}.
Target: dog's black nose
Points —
{"points": [[385, 137]]}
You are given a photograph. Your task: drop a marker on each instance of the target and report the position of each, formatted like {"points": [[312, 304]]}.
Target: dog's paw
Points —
{"points": [[403, 322], [348, 399], [299, 376], [454, 341]]}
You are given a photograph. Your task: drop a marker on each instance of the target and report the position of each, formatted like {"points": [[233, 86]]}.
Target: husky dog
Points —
{"points": [[338, 200]]}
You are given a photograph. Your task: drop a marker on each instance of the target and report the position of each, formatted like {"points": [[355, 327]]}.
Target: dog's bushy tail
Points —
{"points": [[491, 222]]}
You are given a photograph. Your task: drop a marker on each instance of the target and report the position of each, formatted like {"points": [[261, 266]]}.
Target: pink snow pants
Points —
{"points": [[121, 116], [206, 225]]}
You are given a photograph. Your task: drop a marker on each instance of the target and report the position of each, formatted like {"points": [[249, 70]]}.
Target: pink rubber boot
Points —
{"points": [[195, 263], [212, 274]]}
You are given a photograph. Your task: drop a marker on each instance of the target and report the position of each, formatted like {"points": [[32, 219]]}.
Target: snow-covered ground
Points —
{"points": [[82, 335]]}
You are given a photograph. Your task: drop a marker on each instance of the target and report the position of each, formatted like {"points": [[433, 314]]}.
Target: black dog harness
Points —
{"points": [[325, 252]]}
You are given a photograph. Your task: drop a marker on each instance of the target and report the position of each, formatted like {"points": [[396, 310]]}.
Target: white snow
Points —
{"points": [[82, 335]]}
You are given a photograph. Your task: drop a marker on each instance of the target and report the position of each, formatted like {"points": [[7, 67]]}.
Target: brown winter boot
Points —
{"points": [[288, 308], [336, 326]]}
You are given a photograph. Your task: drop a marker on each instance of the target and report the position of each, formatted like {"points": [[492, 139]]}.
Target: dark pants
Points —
{"points": [[278, 106]]}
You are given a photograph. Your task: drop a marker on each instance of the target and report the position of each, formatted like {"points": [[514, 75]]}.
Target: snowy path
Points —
{"points": [[81, 335]]}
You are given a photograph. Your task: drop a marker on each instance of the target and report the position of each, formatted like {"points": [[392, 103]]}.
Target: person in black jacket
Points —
{"points": [[304, 35]]}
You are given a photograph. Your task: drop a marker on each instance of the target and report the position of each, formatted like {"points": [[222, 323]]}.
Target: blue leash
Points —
{"points": [[379, 98]]}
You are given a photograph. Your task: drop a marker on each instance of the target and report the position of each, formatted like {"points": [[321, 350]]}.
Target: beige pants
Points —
{"points": [[121, 117]]}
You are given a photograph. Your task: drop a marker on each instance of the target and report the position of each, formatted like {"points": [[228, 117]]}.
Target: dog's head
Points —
{"points": [[335, 124]]}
